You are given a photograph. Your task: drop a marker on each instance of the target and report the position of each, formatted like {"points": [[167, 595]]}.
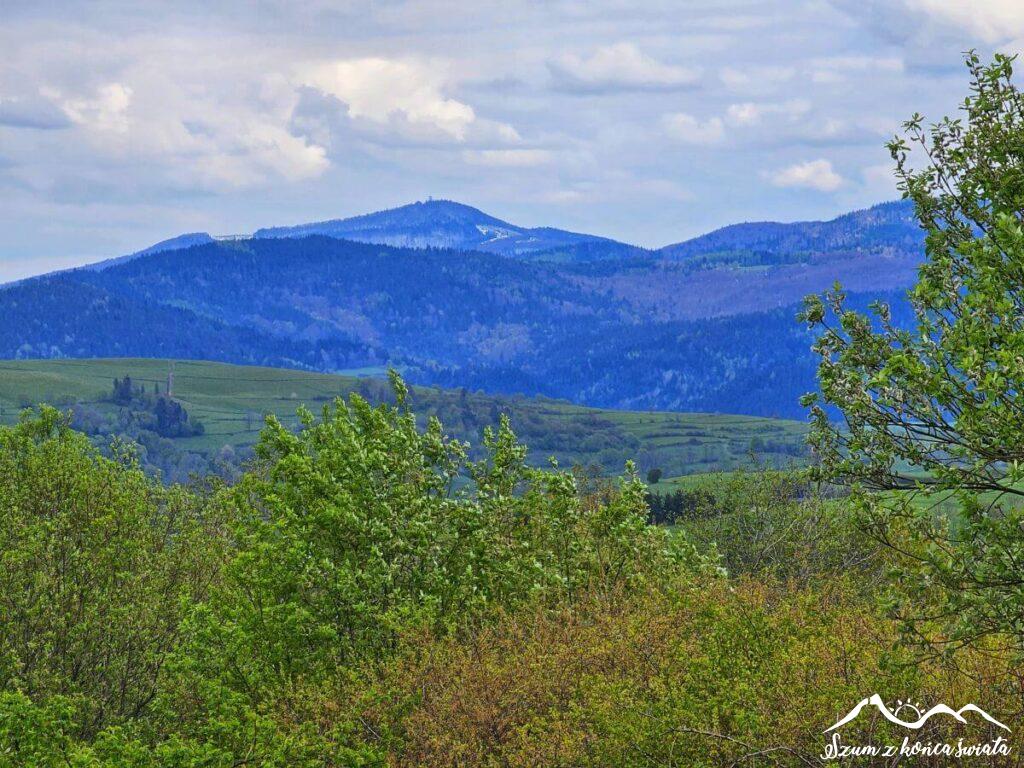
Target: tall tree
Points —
{"points": [[934, 413]]}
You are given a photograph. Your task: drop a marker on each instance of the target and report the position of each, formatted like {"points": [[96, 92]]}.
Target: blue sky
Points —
{"points": [[123, 123]]}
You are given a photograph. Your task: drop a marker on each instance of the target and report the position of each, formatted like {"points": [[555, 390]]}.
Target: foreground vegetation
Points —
{"points": [[348, 603]]}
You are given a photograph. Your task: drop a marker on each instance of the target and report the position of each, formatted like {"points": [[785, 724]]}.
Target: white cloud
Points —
{"points": [[686, 128], [260, 149], [192, 134], [207, 120], [752, 113], [379, 89], [993, 21], [106, 110], [814, 174], [935, 29], [618, 67], [507, 158]]}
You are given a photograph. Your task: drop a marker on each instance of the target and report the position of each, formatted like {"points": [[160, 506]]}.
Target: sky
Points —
{"points": [[124, 123]]}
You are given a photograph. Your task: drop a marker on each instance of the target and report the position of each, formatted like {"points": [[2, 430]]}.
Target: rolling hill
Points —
{"points": [[230, 402]]}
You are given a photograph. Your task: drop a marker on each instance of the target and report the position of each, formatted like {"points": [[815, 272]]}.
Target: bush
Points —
{"points": [[367, 595], [775, 525], [706, 673], [98, 567]]}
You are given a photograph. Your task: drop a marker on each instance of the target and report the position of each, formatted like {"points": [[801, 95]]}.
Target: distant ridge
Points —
{"points": [[171, 244], [448, 224], [885, 226]]}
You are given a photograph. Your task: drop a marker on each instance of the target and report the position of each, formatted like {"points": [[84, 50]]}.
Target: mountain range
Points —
{"points": [[455, 297], [884, 228], [888, 228], [447, 224]]}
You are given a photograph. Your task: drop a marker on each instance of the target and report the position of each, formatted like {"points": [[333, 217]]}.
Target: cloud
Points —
{"points": [[814, 174], [261, 149], [686, 128], [379, 89], [752, 113], [507, 158], [927, 22], [756, 79], [160, 127], [106, 110], [209, 138], [36, 112], [616, 68], [993, 21]]}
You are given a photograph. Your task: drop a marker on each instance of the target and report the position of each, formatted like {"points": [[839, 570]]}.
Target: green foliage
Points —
{"points": [[776, 525], [935, 414], [360, 529], [97, 569], [368, 594], [358, 526]]}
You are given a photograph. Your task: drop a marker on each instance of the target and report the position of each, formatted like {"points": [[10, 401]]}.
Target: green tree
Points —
{"points": [[361, 529], [98, 565], [935, 414]]}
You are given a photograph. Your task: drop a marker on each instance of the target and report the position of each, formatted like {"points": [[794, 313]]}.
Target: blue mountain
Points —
{"points": [[888, 227], [481, 303], [447, 224], [170, 244]]}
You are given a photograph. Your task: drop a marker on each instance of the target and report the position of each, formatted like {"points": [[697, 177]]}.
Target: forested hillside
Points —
{"points": [[636, 333], [889, 227], [447, 224]]}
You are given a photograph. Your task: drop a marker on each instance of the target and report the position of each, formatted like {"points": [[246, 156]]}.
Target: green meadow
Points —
{"points": [[232, 401]]}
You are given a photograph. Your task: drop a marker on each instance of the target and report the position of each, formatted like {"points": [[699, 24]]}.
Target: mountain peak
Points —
{"points": [[423, 211], [451, 224]]}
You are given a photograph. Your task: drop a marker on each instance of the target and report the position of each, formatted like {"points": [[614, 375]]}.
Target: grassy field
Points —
{"points": [[232, 400], [691, 482]]}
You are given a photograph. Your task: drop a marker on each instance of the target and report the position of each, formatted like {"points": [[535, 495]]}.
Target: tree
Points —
{"points": [[654, 475], [358, 526], [97, 566], [935, 414]]}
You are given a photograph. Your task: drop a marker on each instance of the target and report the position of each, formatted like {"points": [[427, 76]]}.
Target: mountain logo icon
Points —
{"points": [[919, 720]]}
